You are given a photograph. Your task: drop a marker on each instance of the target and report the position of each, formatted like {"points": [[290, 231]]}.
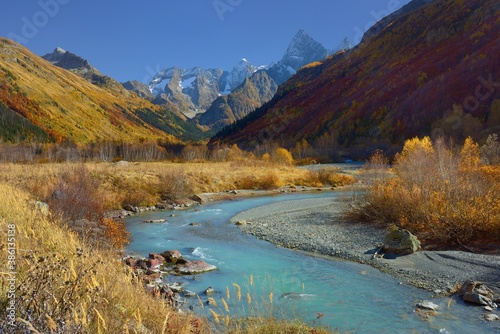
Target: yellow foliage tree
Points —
{"points": [[283, 156], [415, 144], [469, 155], [235, 153]]}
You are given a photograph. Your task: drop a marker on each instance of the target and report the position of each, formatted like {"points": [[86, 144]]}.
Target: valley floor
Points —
{"points": [[316, 226]]}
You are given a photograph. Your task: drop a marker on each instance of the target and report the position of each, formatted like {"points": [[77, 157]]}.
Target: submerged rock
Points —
{"points": [[188, 294], [401, 242]]}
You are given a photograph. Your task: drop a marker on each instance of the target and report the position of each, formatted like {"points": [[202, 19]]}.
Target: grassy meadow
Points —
{"points": [[66, 283]]}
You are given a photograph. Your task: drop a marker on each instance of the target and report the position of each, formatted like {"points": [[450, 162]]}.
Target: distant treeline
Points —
{"points": [[110, 151]]}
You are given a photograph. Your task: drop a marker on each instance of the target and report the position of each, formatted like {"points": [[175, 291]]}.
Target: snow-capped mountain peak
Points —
{"points": [[196, 88]]}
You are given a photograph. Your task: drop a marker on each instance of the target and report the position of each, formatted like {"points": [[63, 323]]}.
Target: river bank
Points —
{"points": [[316, 226]]}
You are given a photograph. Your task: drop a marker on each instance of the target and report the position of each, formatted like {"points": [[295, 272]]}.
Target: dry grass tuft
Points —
{"points": [[66, 286]]}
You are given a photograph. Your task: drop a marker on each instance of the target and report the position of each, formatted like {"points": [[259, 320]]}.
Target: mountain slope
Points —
{"points": [[65, 106], [430, 70], [251, 94]]}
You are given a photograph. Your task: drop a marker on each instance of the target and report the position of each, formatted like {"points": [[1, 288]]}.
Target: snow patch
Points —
{"points": [[187, 83]]}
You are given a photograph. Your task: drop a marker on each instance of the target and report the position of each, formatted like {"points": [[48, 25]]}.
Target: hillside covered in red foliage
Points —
{"points": [[432, 70]]}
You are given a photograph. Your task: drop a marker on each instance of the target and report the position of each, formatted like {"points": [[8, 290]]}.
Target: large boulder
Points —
{"points": [[400, 242], [477, 293], [194, 267]]}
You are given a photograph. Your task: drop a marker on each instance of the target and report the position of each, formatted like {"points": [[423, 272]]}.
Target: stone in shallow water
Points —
{"points": [[194, 267], [491, 317], [477, 293], [427, 305]]}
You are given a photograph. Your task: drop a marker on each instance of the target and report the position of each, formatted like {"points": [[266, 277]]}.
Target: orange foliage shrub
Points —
{"points": [[116, 232], [441, 196]]}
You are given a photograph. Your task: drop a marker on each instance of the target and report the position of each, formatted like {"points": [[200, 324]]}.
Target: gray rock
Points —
{"points": [[241, 222], [155, 221], [209, 291], [491, 317], [476, 298], [477, 293], [427, 305], [188, 294], [401, 242], [132, 208], [197, 198], [58, 194], [175, 287]]}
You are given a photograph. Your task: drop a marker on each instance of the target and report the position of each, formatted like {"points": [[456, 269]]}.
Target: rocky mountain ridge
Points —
{"points": [[195, 90]]}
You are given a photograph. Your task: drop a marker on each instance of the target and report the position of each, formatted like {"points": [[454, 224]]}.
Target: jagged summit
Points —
{"points": [[69, 61], [303, 50]]}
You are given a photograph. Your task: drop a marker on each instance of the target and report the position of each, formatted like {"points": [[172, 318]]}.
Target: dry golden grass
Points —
{"points": [[147, 183], [248, 314], [64, 286]]}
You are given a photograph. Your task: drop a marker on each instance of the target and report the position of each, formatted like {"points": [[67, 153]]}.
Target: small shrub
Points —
{"points": [[138, 197], [270, 181], [116, 232], [76, 196], [329, 176], [174, 184]]}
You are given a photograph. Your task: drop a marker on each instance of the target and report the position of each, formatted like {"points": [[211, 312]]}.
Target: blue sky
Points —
{"points": [[131, 39]]}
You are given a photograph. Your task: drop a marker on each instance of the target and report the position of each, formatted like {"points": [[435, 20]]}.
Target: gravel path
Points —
{"points": [[316, 226]]}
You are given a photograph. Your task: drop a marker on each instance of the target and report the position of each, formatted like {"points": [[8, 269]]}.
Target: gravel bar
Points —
{"points": [[316, 226]]}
